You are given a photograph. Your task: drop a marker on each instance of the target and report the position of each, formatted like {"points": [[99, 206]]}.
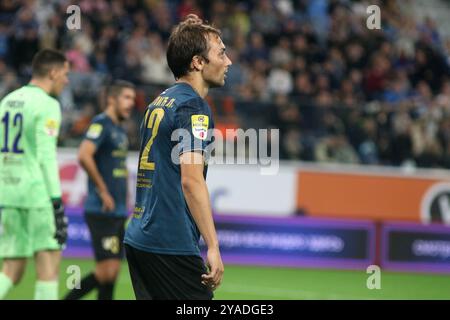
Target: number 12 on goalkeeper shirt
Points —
{"points": [[13, 122]]}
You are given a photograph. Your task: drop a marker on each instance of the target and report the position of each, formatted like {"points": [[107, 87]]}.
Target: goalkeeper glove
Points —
{"points": [[61, 221]]}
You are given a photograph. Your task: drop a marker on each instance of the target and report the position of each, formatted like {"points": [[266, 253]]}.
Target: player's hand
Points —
{"points": [[108, 203], [215, 265], [61, 221]]}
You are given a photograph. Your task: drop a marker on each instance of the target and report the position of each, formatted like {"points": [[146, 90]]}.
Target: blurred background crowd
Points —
{"points": [[338, 91]]}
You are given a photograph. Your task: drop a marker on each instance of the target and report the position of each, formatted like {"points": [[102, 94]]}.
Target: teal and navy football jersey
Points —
{"points": [[162, 222], [110, 157]]}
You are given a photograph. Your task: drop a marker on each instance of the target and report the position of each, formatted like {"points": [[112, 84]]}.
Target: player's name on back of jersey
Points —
{"points": [[15, 104], [163, 102]]}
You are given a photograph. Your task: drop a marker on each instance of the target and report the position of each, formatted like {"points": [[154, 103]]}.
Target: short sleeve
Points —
{"points": [[96, 133], [194, 120]]}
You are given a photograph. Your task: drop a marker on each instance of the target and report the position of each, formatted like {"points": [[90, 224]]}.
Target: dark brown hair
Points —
{"points": [[188, 39], [115, 88], [45, 60]]}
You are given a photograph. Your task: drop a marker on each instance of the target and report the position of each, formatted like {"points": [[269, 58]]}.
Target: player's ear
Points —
{"points": [[52, 74], [110, 100], [197, 63]]}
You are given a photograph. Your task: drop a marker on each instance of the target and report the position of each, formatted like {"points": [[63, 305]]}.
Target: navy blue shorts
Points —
{"points": [[166, 277], [107, 233]]}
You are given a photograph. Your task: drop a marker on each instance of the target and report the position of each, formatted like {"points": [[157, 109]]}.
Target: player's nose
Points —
{"points": [[228, 62]]}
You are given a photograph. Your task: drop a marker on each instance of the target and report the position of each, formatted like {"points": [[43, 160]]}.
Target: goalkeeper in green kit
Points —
{"points": [[32, 217]]}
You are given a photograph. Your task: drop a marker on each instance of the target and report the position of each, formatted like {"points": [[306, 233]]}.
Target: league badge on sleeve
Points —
{"points": [[51, 127], [200, 124], [94, 131]]}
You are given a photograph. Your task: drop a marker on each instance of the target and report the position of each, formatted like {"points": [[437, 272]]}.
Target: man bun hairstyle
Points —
{"points": [[188, 39]]}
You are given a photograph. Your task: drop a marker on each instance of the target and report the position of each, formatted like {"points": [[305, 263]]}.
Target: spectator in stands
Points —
{"points": [[388, 89]]}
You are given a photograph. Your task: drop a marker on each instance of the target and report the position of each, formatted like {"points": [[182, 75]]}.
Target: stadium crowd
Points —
{"points": [[338, 91]]}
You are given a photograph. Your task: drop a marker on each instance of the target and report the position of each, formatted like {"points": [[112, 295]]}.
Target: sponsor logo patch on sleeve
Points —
{"points": [[94, 131], [51, 127], [200, 124]]}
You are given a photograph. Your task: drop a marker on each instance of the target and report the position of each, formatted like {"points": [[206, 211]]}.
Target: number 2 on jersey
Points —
{"points": [[153, 123], [18, 121]]}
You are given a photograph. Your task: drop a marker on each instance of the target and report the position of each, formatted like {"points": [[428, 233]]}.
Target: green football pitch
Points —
{"points": [[259, 283]]}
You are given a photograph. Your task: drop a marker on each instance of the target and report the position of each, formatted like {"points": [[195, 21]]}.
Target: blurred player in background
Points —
{"points": [[103, 155], [172, 202], [31, 211]]}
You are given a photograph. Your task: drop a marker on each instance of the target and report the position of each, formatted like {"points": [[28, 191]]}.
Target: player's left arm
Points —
{"points": [[194, 117], [47, 130], [196, 194]]}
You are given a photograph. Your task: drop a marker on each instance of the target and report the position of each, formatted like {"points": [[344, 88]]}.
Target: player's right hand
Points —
{"points": [[108, 203], [216, 269]]}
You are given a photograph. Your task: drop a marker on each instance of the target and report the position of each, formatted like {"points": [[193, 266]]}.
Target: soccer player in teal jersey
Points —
{"points": [[172, 206], [103, 155], [33, 223]]}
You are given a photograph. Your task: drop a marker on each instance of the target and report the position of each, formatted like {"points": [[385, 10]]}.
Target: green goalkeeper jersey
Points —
{"points": [[29, 127]]}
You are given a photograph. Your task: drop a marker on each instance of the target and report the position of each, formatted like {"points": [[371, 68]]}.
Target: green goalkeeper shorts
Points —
{"points": [[24, 232]]}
